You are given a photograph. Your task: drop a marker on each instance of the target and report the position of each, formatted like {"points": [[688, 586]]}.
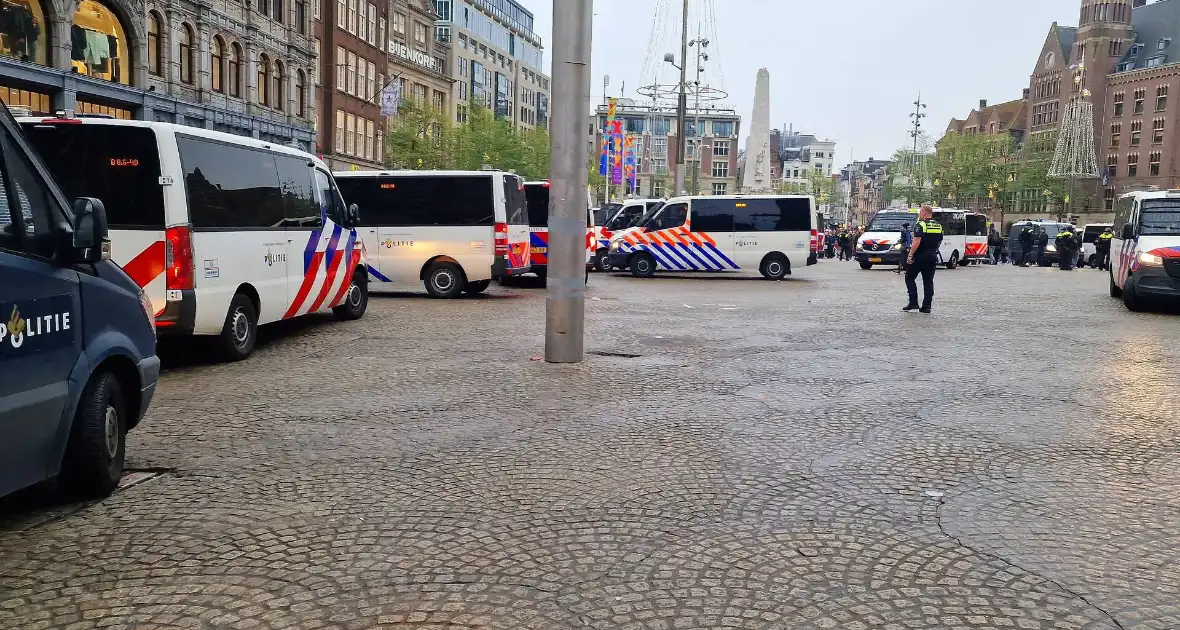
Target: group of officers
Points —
{"points": [[1068, 242]]}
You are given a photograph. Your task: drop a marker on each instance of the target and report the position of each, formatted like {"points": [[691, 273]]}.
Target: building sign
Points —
{"points": [[417, 57]]}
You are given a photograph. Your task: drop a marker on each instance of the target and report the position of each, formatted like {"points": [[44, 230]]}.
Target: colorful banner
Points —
{"points": [[629, 164], [616, 139], [604, 156]]}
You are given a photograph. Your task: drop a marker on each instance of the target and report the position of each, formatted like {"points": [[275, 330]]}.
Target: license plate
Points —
{"points": [[875, 260]]}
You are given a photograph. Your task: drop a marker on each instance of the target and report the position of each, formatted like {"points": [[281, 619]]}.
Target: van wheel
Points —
{"points": [[477, 287], [866, 265], [643, 265], [774, 267], [954, 261], [356, 301], [1131, 299], [444, 280], [602, 260], [240, 332], [93, 463], [1115, 291]]}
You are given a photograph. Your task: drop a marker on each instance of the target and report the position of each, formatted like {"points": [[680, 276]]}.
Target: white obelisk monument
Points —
{"points": [[756, 178]]}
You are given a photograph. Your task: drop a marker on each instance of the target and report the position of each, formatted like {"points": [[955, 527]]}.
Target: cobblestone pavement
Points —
{"points": [[774, 456]]}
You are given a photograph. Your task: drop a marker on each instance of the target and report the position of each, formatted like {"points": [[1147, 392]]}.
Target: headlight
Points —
{"points": [[860, 247], [897, 247], [614, 246], [1150, 259], [146, 303], [1050, 248]]}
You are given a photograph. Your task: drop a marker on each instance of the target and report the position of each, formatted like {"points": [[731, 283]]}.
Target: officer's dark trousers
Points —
{"points": [[1066, 259], [923, 265], [1103, 258]]}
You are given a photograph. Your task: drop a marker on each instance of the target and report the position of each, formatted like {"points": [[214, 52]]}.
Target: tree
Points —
{"points": [[909, 177], [969, 167], [419, 138]]}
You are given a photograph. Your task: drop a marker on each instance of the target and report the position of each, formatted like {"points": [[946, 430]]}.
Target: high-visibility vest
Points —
{"points": [[930, 227]]}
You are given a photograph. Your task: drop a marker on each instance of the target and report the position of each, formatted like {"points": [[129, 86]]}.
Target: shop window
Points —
{"points": [[23, 33], [277, 88], [98, 43], [155, 51], [263, 79], [37, 102], [186, 54], [300, 94], [217, 51], [235, 70], [84, 107]]}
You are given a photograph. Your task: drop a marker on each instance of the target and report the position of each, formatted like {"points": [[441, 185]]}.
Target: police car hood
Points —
{"points": [[618, 236], [879, 238]]}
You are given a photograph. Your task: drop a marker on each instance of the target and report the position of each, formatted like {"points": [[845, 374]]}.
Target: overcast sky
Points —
{"points": [[847, 70]]}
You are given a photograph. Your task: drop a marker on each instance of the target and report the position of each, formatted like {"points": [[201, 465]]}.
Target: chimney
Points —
{"points": [[982, 103]]}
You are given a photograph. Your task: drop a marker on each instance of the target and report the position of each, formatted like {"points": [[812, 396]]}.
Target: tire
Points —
{"points": [[774, 267], [356, 301], [240, 331], [1131, 299], [543, 274], [1115, 291], [954, 261], [602, 260], [866, 265], [93, 463], [1092, 261], [643, 265], [477, 287], [444, 280]]}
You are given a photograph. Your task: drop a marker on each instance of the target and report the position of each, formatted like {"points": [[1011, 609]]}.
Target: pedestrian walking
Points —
{"points": [[1102, 248], [922, 259], [994, 244], [1067, 249], [1026, 237], [830, 243]]}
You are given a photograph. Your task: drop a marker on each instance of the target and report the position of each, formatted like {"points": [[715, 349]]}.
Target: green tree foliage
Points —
{"points": [[420, 137], [909, 177]]}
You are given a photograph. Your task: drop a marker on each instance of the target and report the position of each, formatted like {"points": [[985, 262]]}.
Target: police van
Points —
{"points": [[1145, 250], [223, 232], [614, 218], [775, 234], [537, 199], [451, 231], [881, 242], [78, 364]]}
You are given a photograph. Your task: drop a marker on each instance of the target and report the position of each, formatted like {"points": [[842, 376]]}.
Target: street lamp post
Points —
{"points": [[565, 305], [681, 103], [701, 45], [917, 115]]}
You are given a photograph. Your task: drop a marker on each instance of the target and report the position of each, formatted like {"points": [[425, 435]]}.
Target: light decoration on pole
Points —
{"points": [[1074, 157]]}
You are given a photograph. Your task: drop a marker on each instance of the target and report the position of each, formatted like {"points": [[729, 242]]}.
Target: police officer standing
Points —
{"points": [[1042, 247], [1067, 252], [922, 259], [1102, 247], [1026, 244]]}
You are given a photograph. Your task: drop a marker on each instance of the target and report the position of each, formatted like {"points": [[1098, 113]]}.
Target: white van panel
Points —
{"points": [[226, 260], [402, 252]]}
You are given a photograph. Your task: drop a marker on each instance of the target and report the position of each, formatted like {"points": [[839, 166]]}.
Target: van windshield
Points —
{"points": [[537, 198], [118, 165], [891, 221], [1159, 217]]}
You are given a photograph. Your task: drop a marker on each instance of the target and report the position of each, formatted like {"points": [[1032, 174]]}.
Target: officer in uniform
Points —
{"points": [[1026, 244], [922, 259], [1102, 248], [1067, 252]]}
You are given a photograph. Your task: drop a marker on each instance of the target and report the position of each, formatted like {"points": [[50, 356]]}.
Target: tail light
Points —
{"points": [[178, 258], [501, 234], [815, 240]]}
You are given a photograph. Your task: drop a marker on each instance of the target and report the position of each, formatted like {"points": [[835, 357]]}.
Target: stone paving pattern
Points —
{"points": [[779, 456]]}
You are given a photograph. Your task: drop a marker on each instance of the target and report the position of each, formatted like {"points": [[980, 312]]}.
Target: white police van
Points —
{"points": [[1145, 250], [775, 234], [452, 231], [78, 364], [223, 232]]}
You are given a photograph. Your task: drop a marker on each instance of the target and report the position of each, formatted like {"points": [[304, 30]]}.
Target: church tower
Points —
{"points": [[1104, 35]]}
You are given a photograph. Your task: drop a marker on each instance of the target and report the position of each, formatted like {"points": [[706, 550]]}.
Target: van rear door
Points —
{"points": [[519, 259]]}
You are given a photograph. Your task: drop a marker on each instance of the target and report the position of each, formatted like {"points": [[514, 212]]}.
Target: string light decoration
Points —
{"points": [[1075, 157]]}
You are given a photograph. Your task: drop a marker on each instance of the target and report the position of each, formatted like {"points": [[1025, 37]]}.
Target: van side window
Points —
{"points": [[331, 204], [787, 214], [298, 187], [230, 186], [29, 230], [413, 200], [712, 215], [1122, 214], [670, 217]]}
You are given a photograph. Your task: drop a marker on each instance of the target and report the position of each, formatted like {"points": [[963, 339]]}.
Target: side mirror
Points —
{"points": [[90, 229], [1128, 232], [353, 215]]}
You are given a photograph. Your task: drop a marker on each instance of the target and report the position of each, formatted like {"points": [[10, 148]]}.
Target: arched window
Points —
{"points": [[186, 53], [263, 79], [155, 51], [235, 70], [1049, 59], [98, 43], [277, 91], [300, 94], [217, 51]]}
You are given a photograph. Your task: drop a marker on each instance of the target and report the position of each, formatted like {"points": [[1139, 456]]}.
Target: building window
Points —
{"points": [[186, 54], [1161, 98], [155, 53], [316, 9], [382, 43], [1112, 165], [368, 139], [1115, 132], [342, 14], [300, 94], [350, 80], [1154, 162], [235, 70], [1140, 94], [1136, 132], [1118, 104], [720, 149], [339, 131], [350, 134], [101, 48], [301, 16], [315, 71], [399, 25], [353, 10], [277, 91], [1157, 131], [1132, 164], [341, 67], [438, 101], [420, 34], [217, 71], [277, 14], [720, 188], [1109, 195], [263, 79], [380, 148]]}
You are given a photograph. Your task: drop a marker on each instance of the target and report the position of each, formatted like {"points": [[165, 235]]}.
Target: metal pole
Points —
{"points": [[565, 305], [681, 106], [696, 128]]}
